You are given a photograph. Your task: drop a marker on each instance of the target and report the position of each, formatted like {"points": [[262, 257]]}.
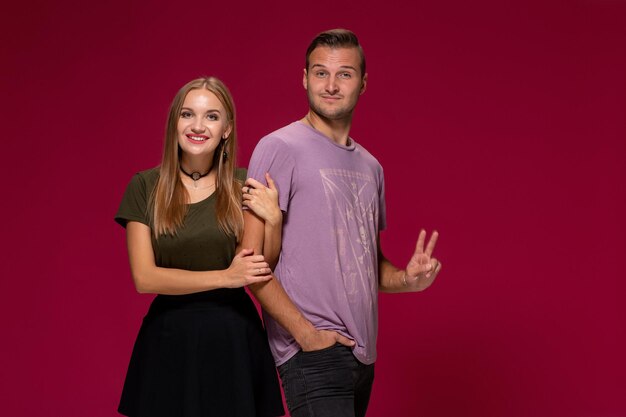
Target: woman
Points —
{"points": [[201, 350]]}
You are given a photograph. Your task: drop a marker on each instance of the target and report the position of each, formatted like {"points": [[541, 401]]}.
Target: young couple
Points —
{"points": [[313, 207]]}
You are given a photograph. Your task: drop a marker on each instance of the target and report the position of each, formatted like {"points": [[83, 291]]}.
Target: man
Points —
{"points": [[321, 311]]}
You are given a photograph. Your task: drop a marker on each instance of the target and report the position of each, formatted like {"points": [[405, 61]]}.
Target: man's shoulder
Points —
{"points": [[367, 156], [285, 136], [278, 148]]}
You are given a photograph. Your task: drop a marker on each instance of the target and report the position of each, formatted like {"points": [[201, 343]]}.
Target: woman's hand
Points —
{"points": [[262, 200], [247, 268]]}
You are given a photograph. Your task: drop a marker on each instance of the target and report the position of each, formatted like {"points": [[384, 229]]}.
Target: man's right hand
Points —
{"points": [[322, 339]]}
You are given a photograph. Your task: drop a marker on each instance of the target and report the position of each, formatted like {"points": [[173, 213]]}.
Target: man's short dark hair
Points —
{"points": [[336, 38]]}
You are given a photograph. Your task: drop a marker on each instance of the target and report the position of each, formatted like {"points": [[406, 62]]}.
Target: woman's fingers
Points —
{"points": [[244, 252], [257, 279], [270, 182], [252, 183]]}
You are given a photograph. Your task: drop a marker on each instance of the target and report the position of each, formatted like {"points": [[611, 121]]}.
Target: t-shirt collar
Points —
{"points": [[349, 147]]}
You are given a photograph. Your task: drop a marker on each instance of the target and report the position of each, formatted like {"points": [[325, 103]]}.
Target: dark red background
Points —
{"points": [[501, 124]]}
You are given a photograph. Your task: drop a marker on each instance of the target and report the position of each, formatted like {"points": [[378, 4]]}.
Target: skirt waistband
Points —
{"points": [[206, 299]]}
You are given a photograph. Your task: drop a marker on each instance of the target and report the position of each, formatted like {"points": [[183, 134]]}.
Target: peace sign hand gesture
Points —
{"points": [[422, 268]]}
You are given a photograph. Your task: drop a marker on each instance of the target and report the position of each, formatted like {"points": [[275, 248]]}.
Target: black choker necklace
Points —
{"points": [[195, 176]]}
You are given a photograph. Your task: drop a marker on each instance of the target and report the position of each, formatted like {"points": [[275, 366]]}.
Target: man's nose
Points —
{"points": [[331, 86]]}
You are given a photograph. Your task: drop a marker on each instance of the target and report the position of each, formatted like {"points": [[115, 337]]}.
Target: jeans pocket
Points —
{"points": [[320, 351]]}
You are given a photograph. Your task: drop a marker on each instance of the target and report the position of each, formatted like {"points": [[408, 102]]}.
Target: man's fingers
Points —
{"points": [[422, 268], [434, 263], [432, 274], [344, 340], [419, 247], [431, 243], [430, 247]]}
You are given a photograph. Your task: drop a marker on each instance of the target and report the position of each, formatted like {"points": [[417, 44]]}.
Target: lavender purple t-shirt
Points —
{"points": [[333, 201]]}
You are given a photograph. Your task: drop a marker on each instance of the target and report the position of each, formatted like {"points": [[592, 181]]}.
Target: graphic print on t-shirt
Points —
{"points": [[352, 199]]}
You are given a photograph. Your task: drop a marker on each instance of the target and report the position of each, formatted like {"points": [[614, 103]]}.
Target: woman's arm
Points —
{"points": [[263, 201], [245, 269]]}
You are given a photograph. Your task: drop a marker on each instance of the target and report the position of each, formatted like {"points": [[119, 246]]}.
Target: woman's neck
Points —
{"points": [[201, 164]]}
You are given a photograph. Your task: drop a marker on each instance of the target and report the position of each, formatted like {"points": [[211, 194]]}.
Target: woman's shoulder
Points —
{"points": [[143, 181], [151, 174], [135, 200], [241, 174]]}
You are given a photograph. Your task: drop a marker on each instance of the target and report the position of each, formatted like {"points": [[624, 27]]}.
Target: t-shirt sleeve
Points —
{"points": [[134, 203], [241, 175], [382, 211], [273, 155]]}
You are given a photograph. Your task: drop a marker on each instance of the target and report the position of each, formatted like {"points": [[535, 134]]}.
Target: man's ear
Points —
{"points": [[305, 84], [363, 84]]}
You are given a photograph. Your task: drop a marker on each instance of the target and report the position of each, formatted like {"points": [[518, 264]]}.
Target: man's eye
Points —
{"points": [[346, 75], [320, 74]]}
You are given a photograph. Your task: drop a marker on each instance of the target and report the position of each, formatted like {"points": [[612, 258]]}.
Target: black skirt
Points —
{"points": [[202, 354]]}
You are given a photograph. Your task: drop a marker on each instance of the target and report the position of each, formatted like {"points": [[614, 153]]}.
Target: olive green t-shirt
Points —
{"points": [[200, 245]]}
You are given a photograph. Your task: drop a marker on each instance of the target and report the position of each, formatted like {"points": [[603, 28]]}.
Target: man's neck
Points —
{"points": [[336, 130]]}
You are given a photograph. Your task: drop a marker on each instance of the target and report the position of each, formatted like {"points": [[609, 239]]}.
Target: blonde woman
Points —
{"points": [[201, 349]]}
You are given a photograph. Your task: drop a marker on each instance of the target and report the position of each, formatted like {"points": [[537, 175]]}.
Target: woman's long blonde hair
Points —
{"points": [[169, 199]]}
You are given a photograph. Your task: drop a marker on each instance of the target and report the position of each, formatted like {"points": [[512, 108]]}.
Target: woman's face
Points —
{"points": [[202, 123]]}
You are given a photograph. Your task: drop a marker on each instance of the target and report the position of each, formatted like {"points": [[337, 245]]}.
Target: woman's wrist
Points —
{"points": [[275, 220]]}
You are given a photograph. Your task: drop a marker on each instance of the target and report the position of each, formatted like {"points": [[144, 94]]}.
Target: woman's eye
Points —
{"points": [[185, 114], [213, 117]]}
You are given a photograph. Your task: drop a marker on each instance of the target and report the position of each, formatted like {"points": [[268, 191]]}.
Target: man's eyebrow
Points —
{"points": [[342, 66]]}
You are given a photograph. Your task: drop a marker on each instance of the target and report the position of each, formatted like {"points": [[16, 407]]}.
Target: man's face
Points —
{"points": [[334, 81]]}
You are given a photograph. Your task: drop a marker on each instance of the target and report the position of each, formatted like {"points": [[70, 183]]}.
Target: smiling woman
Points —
{"points": [[201, 349], [193, 112], [202, 127]]}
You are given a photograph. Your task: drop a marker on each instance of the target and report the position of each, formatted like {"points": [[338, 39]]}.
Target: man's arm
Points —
{"points": [[277, 303], [420, 272], [263, 201]]}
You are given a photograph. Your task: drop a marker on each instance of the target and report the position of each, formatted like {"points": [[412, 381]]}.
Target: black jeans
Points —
{"points": [[327, 383]]}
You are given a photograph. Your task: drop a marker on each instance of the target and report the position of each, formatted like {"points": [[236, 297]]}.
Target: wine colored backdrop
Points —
{"points": [[499, 123]]}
